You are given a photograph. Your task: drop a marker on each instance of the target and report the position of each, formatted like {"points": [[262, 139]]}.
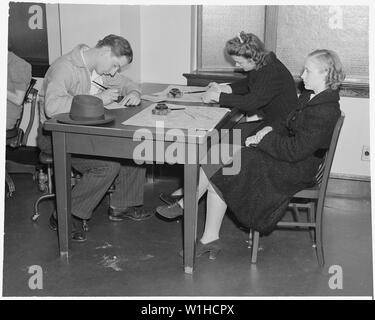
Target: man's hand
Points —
{"points": [[108, 96], [132, 99], [255, 139]]}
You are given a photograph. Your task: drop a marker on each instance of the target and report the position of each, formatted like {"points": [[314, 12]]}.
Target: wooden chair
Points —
{"points": [[312, 200], [16, 138]]}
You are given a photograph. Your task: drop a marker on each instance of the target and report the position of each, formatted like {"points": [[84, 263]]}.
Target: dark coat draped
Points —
{"points": [[269, 91], [283, 163]]}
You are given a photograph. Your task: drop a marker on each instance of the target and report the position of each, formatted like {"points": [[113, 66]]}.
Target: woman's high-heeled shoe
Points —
{"points": [[213, 248]]}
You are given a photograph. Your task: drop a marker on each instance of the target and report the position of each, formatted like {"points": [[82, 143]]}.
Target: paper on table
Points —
{"points": [[114, 105], [163, 95], [197, 118]]}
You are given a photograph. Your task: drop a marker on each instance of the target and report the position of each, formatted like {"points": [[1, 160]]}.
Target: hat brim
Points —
{"points": [[65, 118]]}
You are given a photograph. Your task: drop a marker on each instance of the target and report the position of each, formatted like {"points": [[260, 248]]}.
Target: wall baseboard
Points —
{"points": [[354, 177]]}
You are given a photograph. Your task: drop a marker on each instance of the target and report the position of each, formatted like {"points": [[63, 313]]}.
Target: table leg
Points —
{"points": [[62, 174], [190, 214]]}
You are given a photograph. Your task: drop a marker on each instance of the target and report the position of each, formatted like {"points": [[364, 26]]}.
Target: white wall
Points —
{"points": [[130, 29], [87, 24], [354, 135], [165, 43]]}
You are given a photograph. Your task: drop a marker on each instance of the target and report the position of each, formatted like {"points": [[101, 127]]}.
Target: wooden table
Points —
{"points": [[116, 140]]}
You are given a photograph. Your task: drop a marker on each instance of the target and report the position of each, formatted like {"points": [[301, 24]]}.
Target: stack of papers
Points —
{"points": [[114, 105]]}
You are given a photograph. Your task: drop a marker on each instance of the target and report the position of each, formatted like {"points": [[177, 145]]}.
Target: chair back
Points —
{"points": [[325, 169], [16, 135], [33, 100], [25, 100]]}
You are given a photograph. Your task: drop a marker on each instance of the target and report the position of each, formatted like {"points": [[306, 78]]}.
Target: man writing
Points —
{"points": [[72, 74]]}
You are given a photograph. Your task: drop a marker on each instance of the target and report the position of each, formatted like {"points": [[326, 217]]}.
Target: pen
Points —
{"points": [[177, 109], [101, 86], [195, 91]]}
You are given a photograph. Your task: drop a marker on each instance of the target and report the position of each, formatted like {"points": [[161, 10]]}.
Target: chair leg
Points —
{"points": [[295, 213], [11, 187], [311, 218], [319, 235], [36, 213], [254, 245], [50, 184]]}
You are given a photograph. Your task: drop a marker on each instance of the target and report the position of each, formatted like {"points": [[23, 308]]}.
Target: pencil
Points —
{"points": [[195, 91], [101, 86]]}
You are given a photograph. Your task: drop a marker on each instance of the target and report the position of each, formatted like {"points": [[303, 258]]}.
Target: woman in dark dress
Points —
{"points": [[268, 92], [279, 160]]}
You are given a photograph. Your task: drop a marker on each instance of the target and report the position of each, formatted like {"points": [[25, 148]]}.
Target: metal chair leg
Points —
{"points": [[10, 183], [36, 205]]}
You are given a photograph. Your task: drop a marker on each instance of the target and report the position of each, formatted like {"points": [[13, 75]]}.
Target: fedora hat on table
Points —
{"points": [[85, 110]]}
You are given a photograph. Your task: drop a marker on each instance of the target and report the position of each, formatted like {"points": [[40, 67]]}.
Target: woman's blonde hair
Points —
{"points": [[332, 64], [249, 46]]}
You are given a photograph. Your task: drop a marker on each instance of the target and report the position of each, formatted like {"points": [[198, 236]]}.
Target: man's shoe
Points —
{"points": [[78, 234], [135, 213], [170, 212], [169, 199]]}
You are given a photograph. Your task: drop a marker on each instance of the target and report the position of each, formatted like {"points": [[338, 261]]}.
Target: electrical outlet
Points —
{"points": [[365, 153]]}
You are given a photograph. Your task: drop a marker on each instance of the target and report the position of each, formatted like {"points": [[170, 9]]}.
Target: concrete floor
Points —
{"points": [[141, 258]]}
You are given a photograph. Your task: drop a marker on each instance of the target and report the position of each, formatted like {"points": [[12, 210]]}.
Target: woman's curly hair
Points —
{"points": [[249, 46], [332, 64]]}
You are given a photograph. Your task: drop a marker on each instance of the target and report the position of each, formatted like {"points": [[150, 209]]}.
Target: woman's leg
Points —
{"points": [[178, 192], [216, 208], [203, 184]]}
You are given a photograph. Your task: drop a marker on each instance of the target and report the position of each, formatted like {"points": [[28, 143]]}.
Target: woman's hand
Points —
{"points": [[255, 139], [132, 99], [214, 86], [219, 87], [211, 96]]}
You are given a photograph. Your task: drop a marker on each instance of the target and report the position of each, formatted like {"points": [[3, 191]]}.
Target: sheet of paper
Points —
{"points": [[114, 105], [187, 97], [152, 98], [197, 118]]}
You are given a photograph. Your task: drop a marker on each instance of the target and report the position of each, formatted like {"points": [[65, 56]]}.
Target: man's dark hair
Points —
{"points": [[119, 46]]}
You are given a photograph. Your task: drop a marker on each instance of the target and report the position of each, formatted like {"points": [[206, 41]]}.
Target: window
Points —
{"points": [[290, 31], [220, 23]]}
